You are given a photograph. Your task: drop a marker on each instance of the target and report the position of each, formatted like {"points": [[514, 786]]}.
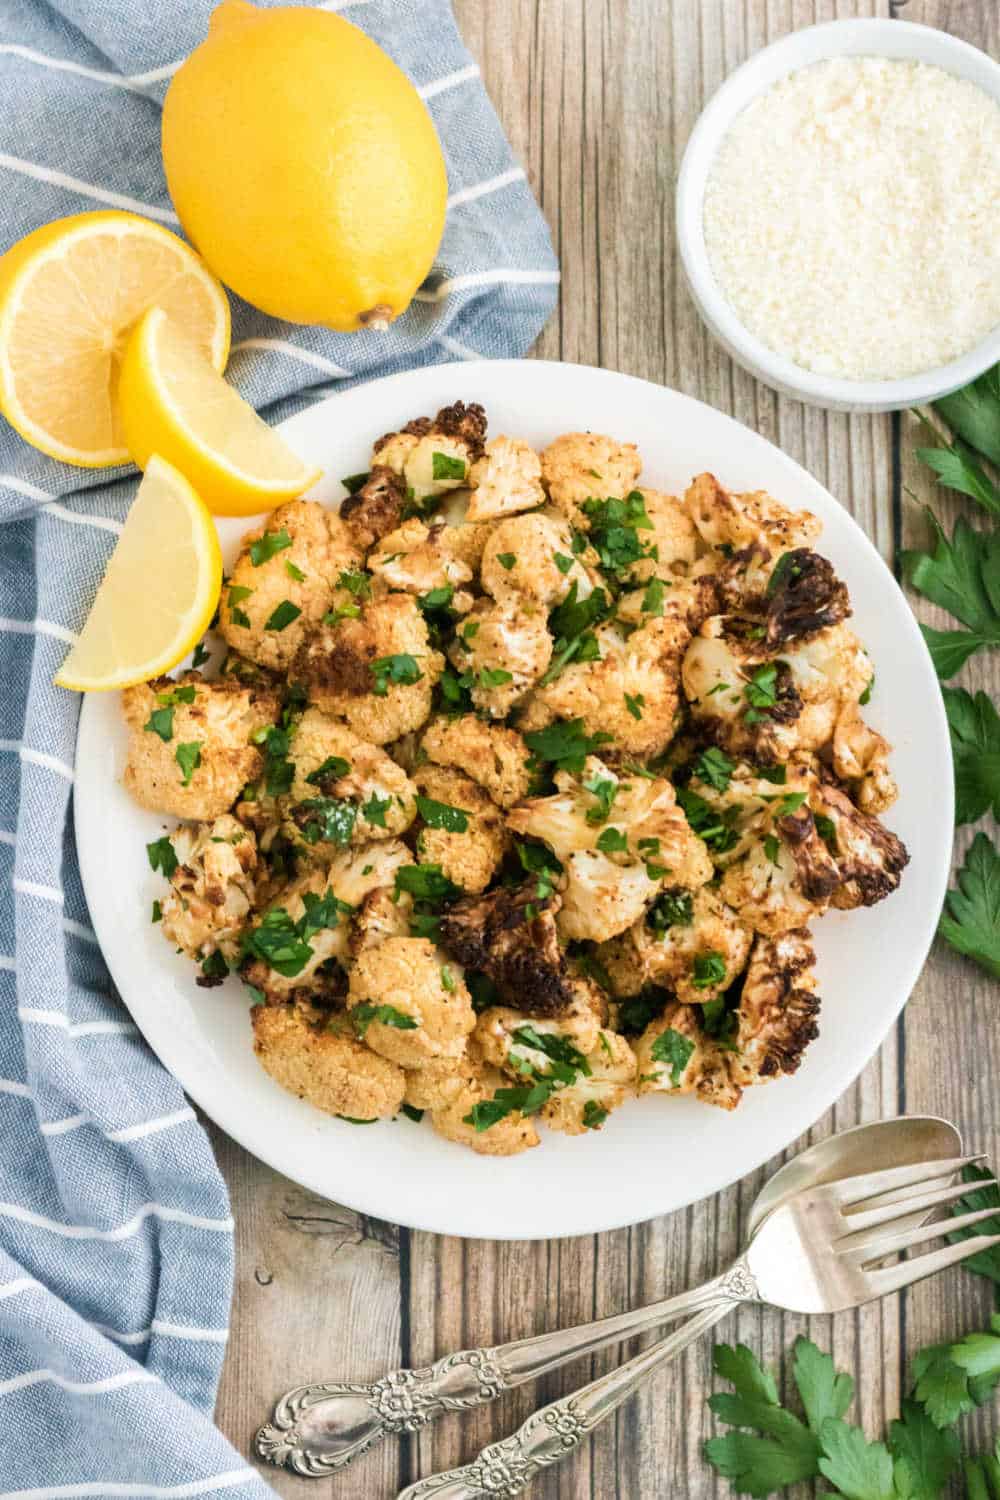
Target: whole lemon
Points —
{"points": [[304, 166]]}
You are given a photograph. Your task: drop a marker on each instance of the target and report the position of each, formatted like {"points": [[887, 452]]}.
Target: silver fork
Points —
{"points": [[818, 1253]]}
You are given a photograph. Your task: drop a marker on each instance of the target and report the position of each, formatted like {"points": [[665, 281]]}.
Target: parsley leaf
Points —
{"points": [[375, 809], [188, 757], [571, 625], [356, 582], [974, 413], [565, 743], [200, 656], [506, 560], [425, 883], [761, 690], [330, 770], [613, 841], [435, 599], [971, 920], [671, 909], [401, 668], [635, 703], [161, 856], [353, 482], [562, 562], [605, 791], [714, 767], [558, 1049], [363, 1015], [279, 771], [594, 1115], [265, 547], [441, 815], [161, 722], [652, 599], [860, 1470], [708, 969], [493, 677], [444, 466], [294, 572], [782, 1449], [963, 577], [614, 527], [956, 469], [326, 820], [282, 615], [975, 743], [987, 1262], [675, 1050]]}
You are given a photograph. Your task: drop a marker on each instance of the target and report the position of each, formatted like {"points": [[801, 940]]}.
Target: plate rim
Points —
{"points": [[226, 1114]]}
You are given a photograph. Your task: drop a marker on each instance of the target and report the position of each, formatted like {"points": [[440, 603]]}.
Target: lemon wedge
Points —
{"points": [[70, 293], [159, 590], [173, 402]]}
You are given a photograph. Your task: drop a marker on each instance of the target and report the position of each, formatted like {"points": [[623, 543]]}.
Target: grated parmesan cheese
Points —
{"points": [[852, 217]]}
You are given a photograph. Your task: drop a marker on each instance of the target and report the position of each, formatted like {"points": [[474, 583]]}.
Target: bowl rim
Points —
{"points": [[844, 38]]}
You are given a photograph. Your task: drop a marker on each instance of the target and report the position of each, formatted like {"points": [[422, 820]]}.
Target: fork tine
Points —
{"points": [[864, 1249], [859, 1189], [871, 1218], [894, 1278]]}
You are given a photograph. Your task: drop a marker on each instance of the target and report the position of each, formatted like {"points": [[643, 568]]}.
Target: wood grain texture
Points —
{"points": [[598, 102]]}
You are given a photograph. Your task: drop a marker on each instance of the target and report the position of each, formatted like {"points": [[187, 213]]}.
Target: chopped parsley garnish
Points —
{"points": [[594, 1115], [482, 989], [578, 543], [443, 466], [714, 767], [375, 809], [257, 996], [447, 979], [425, 883], [613, 841], [761, 692], [161, 722], [493, 677], [866, 696], [279, 772], [827, 830], [354, 482], [562, 562], [540, 861], [294, 572], [441, 815], [785, 570], [200, 656], [772, 849], [401, 669], [326, 820], [790, 804], [635, 703], [674, 1050], [652, 599], [416, 1115], [188, 757], [559, 1050], [161, 856], [363, 1015], [157, 912], [236, 595], [266, 546], [285, 945], [183, 694], [426, 925], [282, 616], [342, 612], [715, 828], [436, 599], [708, 969], [604, 790], [614, 528], [671, 909], [565, 743], [635, 1013], [214, 966], [571, 625], [776, 775], [454, 691], [331, 769], [351, 1120], [506, 560]]}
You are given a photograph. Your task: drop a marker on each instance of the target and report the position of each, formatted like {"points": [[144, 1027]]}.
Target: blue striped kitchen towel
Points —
{"points": [[116, 1253]]}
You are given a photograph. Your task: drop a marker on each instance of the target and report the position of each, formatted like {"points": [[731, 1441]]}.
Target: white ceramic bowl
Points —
{"points": [[896, 39]]}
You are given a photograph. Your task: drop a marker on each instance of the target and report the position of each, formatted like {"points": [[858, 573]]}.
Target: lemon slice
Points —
{"points": [[158, 593], [70, 294], [173, 402]]}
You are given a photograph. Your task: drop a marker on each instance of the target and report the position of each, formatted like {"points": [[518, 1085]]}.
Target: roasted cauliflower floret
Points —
{"points": [[376, 671], [494, 756], [586, 1103], [439, 1081], [725, 519], [532, 556], [212, 889], [861, 757], [870, 859], [435, 455], [343, 790], [675, 1056], [779, 598], [507, 479], [455, 1120], [267, 608], [509, 934], [189, 749], [583, 466], [767, 887], [462, 827], [506, 647], [409, 1002], [416, 558], [331, 1072], [376, 508], [381, 914], [689, 942], [776, 1017], [673, 535], [504, 1036]]}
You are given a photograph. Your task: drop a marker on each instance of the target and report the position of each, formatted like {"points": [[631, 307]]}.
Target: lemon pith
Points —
{"points": [[173, 403], [158, 593], [69, 293]]}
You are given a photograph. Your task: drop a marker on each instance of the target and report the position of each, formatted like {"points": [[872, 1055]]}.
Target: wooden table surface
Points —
{"points": [[598, 98]]}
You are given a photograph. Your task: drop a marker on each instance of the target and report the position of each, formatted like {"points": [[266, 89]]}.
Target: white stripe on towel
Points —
{"points": [[500, 276], [111, 1490], [124, 1231], [282, 346], [481, 189], [86, 189]]}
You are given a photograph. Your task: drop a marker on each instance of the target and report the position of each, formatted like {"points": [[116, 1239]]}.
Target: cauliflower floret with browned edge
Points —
{"points": [[766, 888], [416, 558], [434, 455], [861, 757], [532, 556], [493, 755], [343, 787], [455, 1120], [507, 479], [674, 537], [212, 889], [675, 1056], [440, 1080], [331, 1072], [581, 466], [585, 1104], [469, 855], [376, 508], [509, 934], [381, 914], [776, 1016], [689, 942], [688, 600], [506, 647], [409, 1002], [376, 671], [282, 582], [725, 519], [340, 887], [741, 803], [497, 1028], [870, 858], [189, 748], [631, 692]]}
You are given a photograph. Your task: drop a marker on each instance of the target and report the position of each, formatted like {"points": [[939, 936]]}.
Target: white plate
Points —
{"points": [[655, 1154]]}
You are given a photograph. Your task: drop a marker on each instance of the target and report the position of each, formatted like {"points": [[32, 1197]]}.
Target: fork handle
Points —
{"points": [[506, 1468]]}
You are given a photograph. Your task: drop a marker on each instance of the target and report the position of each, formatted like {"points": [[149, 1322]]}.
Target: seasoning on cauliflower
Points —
{"points": [[504, 647], [376, 508], [870, 858], [766, 888], [725, 519], [439, 1081], [375, 671], [435, 455], [189, 748], [532, 556], [776, 1016], [416, 558], [689, 942], [509, 934], [585, 1104], [282, 582], [581, 466], [493, 755], [409, 1003], [462, 828], [331, 1072], [343, 789], [508, 1135], [861, 757], [674, 1055], [506, 479], [211, 890]]}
